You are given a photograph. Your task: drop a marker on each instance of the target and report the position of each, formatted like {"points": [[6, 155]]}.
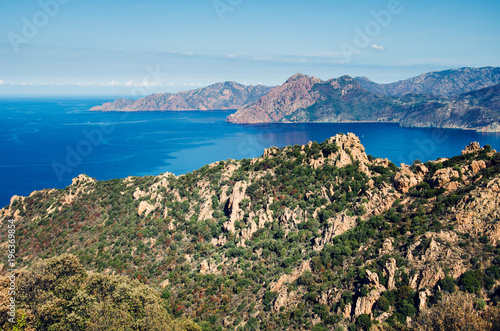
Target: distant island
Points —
{"points": [[466, 98]]}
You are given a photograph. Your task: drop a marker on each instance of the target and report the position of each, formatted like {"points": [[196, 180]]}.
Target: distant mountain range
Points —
{"points": [[309, 99], [227, 95], [439, 83], [466, 98]]}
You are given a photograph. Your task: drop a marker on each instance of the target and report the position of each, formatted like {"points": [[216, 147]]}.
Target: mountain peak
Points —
{"points": [[299, 77]]}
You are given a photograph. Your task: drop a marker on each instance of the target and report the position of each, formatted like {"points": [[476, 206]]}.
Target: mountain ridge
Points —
{"points": [[449, 82], [344, 99]]}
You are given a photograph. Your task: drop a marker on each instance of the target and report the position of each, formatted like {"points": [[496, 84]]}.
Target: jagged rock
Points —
{"points": [[138, 194], [350, 150], [281, 300], [82, 180], [422, 299], [233, 206], [364, 305], [386, 246], [165, 283], [380, 201], [405, 179], [391, 267], [443, 176], [476, 166], [347, 311], [372, 278], [430, 276], [472, 148]]}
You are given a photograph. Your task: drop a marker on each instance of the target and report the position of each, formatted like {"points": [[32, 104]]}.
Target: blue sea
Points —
{"points": [[45, 142]]}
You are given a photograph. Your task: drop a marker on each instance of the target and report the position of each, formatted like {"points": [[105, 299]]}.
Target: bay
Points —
{"points": [[45, 142]]}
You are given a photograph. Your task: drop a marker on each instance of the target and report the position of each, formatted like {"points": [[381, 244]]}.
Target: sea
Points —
{"points": [[45, 142]]}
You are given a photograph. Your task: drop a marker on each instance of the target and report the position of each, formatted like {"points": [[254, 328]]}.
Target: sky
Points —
{"points": [[139, 47]]}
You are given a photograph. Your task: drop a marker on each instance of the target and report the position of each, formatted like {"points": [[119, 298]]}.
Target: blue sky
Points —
{"points": [[140, 47]]}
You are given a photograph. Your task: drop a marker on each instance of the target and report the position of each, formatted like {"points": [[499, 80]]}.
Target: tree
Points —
{"points": [[454, 312], [364, 322]]}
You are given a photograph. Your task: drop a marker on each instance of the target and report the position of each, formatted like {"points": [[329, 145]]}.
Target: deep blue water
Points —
{"points": [[46, 142]]}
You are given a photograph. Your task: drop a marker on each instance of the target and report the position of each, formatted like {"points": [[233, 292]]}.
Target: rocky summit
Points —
{"points": [[314, 237]]}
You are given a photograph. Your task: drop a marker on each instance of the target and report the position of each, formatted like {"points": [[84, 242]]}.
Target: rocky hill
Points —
{"points": [[306, 99], [438, 83], [228, 95], [309, 99], [320, 236]]}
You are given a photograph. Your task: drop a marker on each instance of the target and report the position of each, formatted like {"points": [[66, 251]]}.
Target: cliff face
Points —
{"points": [[320, 230], [439, 83], [228, 95]]}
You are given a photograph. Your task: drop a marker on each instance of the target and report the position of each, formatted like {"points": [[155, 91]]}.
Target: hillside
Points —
{"points": [[317, 236], [438, 83], [478, 110], [308, 99], [227, 95]]}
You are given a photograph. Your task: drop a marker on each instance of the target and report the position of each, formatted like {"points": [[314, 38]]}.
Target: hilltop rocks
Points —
{"points": [[472, 148], [82, 180], [350, 150]]}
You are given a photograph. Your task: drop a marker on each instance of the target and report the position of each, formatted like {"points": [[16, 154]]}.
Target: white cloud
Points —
{"points": [[1, 82], [378, 47]]}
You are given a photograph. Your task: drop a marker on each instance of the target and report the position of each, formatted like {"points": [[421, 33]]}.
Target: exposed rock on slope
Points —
{"points": [[228, 95]]}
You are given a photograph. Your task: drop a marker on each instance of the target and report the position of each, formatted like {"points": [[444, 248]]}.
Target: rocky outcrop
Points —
{"points": [[444, 176], [405, 178], [391, 268], [228, 95], [472, 148], [364, 305], [233, 209]]}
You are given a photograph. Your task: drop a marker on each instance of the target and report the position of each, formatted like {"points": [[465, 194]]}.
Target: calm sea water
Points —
{"points": [[46, 142]]}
